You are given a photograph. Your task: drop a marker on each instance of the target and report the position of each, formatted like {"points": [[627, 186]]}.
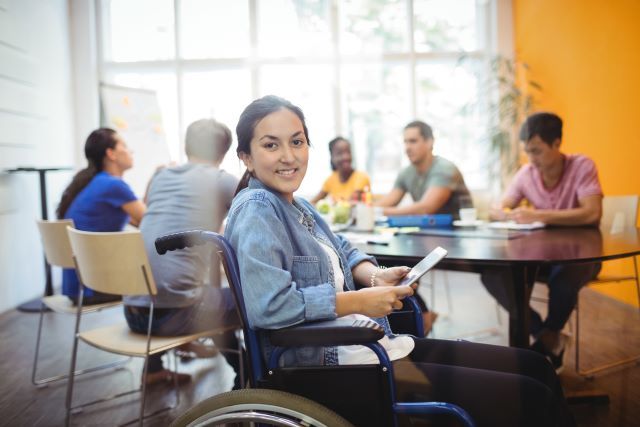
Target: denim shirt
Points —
{"points": [[286, 275]]}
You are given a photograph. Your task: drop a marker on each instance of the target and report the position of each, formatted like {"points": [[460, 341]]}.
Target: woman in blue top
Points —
{"points": [[295, 270], [97, 199]]}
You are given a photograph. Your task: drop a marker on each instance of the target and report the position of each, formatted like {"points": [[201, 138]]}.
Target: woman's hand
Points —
{"points": [[381, 300], [390, 276]]}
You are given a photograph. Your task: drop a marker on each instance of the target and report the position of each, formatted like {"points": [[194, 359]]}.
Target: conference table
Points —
{"points": [[520, 252]]}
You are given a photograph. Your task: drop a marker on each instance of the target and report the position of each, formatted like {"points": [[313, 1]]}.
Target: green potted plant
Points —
{"points": [[512, 97], [507, 95]]}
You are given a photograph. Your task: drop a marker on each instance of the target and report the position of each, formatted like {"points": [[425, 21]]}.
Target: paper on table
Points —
{"points": [[367, 238], [512, 225]]}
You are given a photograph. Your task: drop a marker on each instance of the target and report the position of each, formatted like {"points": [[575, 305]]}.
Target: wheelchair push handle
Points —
{"points": [[180, 240]]}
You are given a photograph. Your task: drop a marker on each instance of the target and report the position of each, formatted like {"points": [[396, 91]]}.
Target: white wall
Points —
{"points": [[36, 129]]}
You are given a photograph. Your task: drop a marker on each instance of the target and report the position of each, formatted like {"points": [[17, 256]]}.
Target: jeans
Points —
{"points": [[564, 282]]}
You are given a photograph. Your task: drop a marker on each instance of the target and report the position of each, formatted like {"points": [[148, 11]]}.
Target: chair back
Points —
{"points": [[112, 262], [619, 212], [55, 242]]}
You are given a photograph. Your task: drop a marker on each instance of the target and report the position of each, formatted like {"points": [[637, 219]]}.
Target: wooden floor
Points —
{"points": [[608, 329]]}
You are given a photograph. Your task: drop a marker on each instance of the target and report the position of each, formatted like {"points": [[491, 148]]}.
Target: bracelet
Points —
{"points": [[373, 275]]}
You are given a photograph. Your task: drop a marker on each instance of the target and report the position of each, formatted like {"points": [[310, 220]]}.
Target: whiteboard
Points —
{"points": [[135, 115]]}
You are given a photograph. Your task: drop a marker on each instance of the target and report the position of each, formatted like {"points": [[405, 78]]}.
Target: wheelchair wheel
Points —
{"points": [[263, 406]]}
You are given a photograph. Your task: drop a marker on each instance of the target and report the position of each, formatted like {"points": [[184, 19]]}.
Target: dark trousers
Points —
{"points": [[564, 282], [215, 309], [498, 386], [95, 298]]}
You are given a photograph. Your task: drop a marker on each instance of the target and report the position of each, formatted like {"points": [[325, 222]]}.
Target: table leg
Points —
{"points": [[520, 317], [35, 305]]}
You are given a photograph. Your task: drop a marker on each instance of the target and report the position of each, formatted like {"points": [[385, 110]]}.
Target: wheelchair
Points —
{"points": [[310, 395]]}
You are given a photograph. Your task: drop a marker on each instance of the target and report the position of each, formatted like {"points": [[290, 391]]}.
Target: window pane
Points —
{"points": [[220, 94], [139, 30], [445, 90], [313, 94], [373, 26], [165, 86], [376, 106], [214, 28], [441, 25], [293, 28]]}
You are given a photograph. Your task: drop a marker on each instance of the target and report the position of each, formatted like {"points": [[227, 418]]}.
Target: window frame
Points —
{"points": [[498, 39]]}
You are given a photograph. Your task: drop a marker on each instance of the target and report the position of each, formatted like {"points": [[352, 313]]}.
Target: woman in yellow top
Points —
{"points": [[344, 181]]}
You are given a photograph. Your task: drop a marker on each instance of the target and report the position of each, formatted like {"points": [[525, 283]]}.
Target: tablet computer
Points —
{"points": [[426, 264]]}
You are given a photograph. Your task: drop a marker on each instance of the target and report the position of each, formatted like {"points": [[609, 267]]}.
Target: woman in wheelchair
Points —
{"points": [[296, 270]]}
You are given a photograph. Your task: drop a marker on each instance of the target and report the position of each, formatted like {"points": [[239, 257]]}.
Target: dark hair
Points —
{"points": [[95, 149], [425, 129], [208, 139], [547, 126], [332, 144], [252, 114]]}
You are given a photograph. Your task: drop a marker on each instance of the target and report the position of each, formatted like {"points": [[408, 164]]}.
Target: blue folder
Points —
{"points": [[422, 221]]}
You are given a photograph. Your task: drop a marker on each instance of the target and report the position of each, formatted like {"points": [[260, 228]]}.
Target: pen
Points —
{"points": [[374, 242]]}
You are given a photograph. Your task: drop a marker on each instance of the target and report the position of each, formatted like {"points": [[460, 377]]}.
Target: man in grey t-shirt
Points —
{"points": [[196, 195], [434, 183]]}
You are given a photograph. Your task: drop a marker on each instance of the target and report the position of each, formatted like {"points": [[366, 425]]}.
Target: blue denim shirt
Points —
{"points": [[286, 275]]}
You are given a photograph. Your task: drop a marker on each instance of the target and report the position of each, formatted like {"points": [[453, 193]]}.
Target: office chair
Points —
{"points": [[57, 250], [618, 213], [368, 398], [117, 263]]}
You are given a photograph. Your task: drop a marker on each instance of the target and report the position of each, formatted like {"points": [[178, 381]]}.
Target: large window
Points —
{"points": [[358, 68]]}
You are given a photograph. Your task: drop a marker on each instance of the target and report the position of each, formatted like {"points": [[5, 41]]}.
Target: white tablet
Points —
{"points": [[426, 264]]}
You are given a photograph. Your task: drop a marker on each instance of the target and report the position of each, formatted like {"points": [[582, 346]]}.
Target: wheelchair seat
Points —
{"points": [[362, 394]]}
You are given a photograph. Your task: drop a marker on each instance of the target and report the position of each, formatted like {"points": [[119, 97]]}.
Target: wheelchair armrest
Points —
{"points": [[328, 333]]}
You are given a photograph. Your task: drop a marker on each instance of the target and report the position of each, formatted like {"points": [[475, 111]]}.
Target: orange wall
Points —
{"points": [[586, 56]]}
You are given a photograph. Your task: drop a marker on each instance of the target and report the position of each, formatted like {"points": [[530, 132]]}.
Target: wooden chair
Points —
{"points": [[618, 213], [57, 250], [117, 263]]}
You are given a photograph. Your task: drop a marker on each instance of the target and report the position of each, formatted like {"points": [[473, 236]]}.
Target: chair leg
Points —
{"points": [[241, 364], [577, 350], [143, 398], [175, 378], [447, 289], [477, 334], [432, 289], [37, 352], [635, 270], [72, 369], [590, 373], [45, 381]]}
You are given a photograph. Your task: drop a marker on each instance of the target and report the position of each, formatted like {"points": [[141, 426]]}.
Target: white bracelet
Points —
{"points": [[373, 275]]}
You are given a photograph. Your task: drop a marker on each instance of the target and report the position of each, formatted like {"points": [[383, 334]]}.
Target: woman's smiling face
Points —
{"points": [[279, 152]]}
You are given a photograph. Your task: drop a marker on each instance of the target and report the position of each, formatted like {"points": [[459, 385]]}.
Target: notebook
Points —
{"points": [[512, 225]]}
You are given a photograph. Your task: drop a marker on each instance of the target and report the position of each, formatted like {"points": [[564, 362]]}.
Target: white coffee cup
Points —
{"points": [[365, 217], [468, 215]]}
